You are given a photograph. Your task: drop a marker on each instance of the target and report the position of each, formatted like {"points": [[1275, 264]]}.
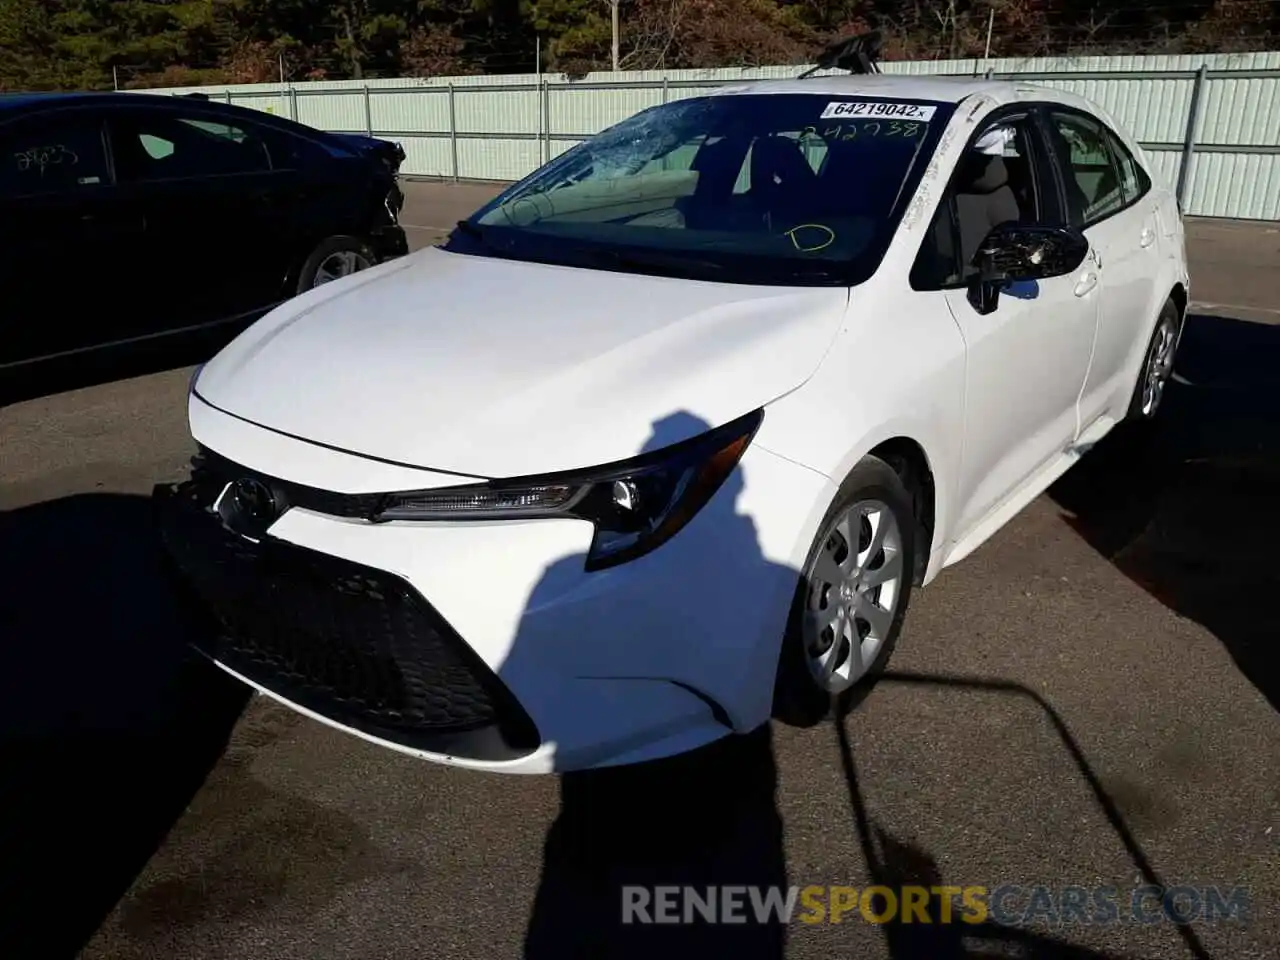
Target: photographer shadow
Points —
{"points": [[706, 818], [895, 863]]}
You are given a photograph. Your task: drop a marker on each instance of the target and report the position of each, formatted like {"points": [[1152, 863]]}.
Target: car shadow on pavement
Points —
{"points": [[705, 818], [1188, 507], [108, 726], [895, 863]]}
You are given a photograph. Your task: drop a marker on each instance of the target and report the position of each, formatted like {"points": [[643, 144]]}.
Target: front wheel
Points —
{"points": [[1157, 365], [851, 599], [334, 259]]}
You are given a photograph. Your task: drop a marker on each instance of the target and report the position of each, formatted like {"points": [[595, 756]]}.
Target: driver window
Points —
{"points": [[994, 182]]}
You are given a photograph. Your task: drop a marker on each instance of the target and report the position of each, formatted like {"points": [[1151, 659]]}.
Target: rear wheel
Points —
{"points": [[334, 259], [1157, 365], [851, 599]]}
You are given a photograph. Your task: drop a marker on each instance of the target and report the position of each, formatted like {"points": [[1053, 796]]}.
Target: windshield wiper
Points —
{"points": [[674, 263], [648, 260], [483, 234], [765, 269], [471, 230]]}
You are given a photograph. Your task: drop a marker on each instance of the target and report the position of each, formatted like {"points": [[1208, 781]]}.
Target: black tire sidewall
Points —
{"points": [[798, 700], [327, 248]]}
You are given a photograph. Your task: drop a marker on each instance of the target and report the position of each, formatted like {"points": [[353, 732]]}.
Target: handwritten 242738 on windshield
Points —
{"points": [[888, 109]]}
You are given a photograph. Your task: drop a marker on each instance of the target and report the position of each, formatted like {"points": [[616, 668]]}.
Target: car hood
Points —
{"points": [[490, 367]]}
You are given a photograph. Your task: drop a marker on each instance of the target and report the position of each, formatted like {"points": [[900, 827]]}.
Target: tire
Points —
{"points": [[872, 489], [334, 258], [1157, 366]]}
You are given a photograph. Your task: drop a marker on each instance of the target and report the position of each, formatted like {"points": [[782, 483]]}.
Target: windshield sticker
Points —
{"points": [[878, 108], [868, 127]]}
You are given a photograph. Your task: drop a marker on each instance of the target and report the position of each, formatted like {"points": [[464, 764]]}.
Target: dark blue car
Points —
{"points": [[129, 217]]}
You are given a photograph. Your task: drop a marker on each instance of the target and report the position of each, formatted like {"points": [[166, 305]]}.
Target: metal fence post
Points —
{"points": [[1189, 136], [453, 131], [227, 93], [368, 111], [546, 116], [665, 91], [293, 102], [540, 135]]}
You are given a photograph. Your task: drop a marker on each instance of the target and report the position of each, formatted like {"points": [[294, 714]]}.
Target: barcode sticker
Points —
{"points": [[889, 109]]}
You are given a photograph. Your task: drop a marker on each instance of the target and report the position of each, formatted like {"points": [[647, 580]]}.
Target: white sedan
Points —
{"points": [[656, 445]]}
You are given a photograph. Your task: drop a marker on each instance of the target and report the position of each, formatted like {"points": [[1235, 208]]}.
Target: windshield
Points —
{"points": [[759, 188]]}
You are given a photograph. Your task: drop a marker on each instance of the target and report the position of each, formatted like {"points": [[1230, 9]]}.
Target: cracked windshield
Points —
{"points": [[811, 182]]}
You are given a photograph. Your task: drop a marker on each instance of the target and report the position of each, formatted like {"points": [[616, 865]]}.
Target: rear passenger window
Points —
{"points": [[168, 146], [1094, 179], [52, 156]]}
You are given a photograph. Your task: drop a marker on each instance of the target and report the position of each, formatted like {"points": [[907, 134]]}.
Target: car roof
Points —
{"points": [[15, 104], [23, 101], [904, 86]]}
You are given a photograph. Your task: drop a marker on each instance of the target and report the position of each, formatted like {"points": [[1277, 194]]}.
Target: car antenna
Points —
{"points": [[856, 54]]}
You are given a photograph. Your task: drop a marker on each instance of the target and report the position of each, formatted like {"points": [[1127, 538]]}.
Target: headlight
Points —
{"points": [[635, 506]]}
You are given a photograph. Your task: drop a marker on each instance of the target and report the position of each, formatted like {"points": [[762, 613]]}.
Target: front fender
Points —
{"points": [[936, 456], [895, 372]]}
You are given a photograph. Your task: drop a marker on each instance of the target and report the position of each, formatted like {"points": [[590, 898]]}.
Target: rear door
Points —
{"points": [[1108, 198], [69, 240], [219, 216]]}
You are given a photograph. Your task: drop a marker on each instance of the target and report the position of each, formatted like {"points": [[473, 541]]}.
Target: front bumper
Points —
{"points": [[520, 661], [337, 639], [389, 242]]}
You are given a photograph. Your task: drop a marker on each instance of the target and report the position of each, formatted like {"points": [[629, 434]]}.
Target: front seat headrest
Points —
{"points": [[982, 173]]}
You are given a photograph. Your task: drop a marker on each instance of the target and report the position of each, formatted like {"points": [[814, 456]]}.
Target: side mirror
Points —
{"points": [[1015, 252]]}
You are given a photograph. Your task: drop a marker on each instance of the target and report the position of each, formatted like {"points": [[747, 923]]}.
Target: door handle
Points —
{"points": [[1147, 238], [1086, 283]]}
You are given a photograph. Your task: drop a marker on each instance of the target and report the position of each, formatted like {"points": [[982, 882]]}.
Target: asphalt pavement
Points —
{"points": [[1089, 700]]}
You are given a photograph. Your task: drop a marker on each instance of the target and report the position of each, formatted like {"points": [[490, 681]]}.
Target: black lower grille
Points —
{"points": [[352, 643]]}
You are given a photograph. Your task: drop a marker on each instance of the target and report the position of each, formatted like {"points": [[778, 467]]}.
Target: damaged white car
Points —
{"points": [[656, 445]]}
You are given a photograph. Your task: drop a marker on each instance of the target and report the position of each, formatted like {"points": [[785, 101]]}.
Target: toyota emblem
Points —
{"points": [[254, 501], [247, 507]]}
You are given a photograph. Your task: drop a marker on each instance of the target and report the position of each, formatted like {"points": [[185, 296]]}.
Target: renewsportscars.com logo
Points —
{"points": [[1007, 905]]}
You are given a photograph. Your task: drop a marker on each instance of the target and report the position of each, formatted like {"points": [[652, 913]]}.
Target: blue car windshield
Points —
{"points": [[755, 188]]}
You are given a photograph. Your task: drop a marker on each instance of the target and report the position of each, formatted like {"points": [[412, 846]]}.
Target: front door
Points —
{"points": [[1027, 360]]}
